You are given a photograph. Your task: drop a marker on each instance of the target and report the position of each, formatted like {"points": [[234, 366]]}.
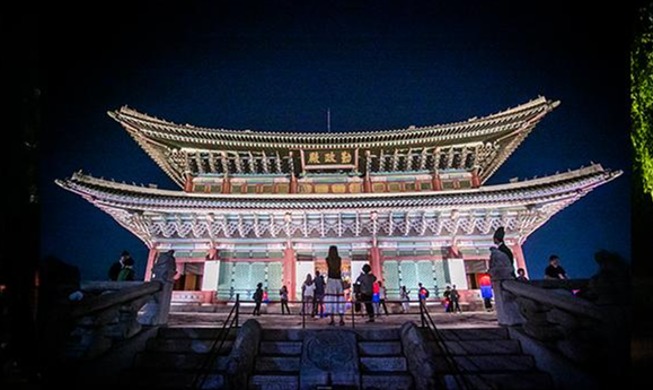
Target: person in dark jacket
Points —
{"points": [[366, 281]]}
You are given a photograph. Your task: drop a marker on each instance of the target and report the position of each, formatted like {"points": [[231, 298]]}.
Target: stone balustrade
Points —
{"points": [[108, 314], [591, 337]]}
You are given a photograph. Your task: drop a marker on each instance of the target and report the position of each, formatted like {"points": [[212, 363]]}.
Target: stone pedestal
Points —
{"points": [[329, 358]]}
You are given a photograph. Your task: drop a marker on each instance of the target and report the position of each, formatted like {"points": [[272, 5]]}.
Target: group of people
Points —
{"points": [[313, 290], [451, 300], [320, 296]]}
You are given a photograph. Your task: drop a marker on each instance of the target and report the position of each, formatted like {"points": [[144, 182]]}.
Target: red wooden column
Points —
{"points": [[519, 257], [375, 262], [289, 269], [367, 183], [436, 182], [476, 180], [226, 185], [294, 187], [188, 185], [151, 258]]}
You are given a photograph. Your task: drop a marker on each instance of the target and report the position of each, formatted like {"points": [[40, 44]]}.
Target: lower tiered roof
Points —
{"points": [[158, 215]]}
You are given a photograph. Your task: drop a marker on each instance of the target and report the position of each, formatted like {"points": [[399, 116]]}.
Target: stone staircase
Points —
{"points": [[382, 362], [277, 364], [379, 353], [171, 360], [488, 359]]}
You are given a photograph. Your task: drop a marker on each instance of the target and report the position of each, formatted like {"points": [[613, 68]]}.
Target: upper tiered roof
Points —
{"points": [[481, 143]]}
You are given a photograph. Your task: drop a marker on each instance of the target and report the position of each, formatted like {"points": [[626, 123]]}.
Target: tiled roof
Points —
{"points": [[558, 186]]}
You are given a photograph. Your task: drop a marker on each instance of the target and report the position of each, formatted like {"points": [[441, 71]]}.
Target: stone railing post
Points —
{"points": [[243, 354]]}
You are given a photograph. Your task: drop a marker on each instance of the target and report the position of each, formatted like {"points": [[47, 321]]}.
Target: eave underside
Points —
{"points": [[159, 216]]}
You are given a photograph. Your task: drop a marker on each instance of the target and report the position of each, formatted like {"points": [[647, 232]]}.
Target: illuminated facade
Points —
{"points": [[265, 206]]}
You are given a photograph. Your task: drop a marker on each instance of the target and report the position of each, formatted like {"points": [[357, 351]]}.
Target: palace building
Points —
{"points": [[256, 206]]}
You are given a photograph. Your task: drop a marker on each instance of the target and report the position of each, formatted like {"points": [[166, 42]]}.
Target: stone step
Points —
{"points": [[282, 335], [384, 380], [487, 363], [270, 364], [187, 345], [274, 382], [466, 334], [479, 347], [526, 380], [381, 334], [194, 333], [383, 364], [146, 379], [286, 348], [177, 361], [379, 348]]}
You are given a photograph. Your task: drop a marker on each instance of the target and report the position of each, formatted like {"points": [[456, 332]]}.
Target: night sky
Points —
{"points": [[373, 64]]}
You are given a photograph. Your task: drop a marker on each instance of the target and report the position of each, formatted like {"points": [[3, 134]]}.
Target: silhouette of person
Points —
{"points": [[283, 293], [258, 298], [521, 274], [554, 270], [127, 272], [455, 300], [115, 268]]}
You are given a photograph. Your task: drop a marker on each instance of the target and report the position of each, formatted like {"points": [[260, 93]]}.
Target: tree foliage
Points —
{"points": [[641, 93]]}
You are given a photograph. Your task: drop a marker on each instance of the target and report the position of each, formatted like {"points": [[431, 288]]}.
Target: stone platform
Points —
{"points": [[215, 315]]}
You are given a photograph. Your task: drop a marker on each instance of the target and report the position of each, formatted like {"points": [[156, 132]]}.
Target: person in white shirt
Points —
{"points": [[308, 292]]}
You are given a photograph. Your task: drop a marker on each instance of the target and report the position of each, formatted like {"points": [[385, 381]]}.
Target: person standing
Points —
{"points": [[283, 293], [382, 297], [334, 290], [498, 238], [127, 272], [366, 280], [554, 270], [308, 294], [318, 300], [115, 268], [447, 299], [422, 291], [501, 268], [404, 295], [455, 300], [258, 298], [165, 271]]}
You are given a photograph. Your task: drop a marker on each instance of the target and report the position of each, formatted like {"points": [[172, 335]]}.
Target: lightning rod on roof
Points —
{"points": [[328, 120]]}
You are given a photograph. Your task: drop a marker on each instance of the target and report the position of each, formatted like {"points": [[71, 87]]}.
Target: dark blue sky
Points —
{"points": [[375, 65]]}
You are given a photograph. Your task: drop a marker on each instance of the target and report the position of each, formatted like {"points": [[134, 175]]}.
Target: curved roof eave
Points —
{"points": [[176, 135], [528, 192]]}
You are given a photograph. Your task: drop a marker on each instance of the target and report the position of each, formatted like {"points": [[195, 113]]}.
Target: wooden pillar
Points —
{"points": [[476, 180], [226, 185], [367, 183], [293, 184], [375, 261], [151, 258], [520, 262], [436, 182], [289, 268], [188, 185]]}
